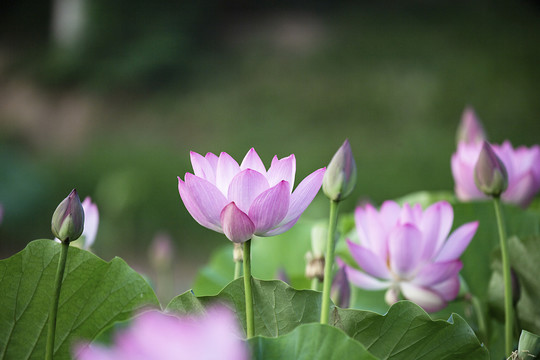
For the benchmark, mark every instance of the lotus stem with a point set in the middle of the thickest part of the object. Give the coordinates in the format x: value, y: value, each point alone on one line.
x: 508, y: 309
x: 49, y: 350
x: 315, y: 284
x: 329, y: 262
x: 247, y: 290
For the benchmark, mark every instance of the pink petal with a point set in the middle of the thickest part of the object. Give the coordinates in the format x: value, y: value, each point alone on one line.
x: 403, y: 246
x: 202, y: 167
x: 360, y: 220
x: 462, y: 164
x: 193, y: 208
x: 253, y: 161
x: 457, y: 242
x: 282, y: 228
x: 236, y: 225
x: 303, y: 194
x: 204, y: 197
x: 368, y: 261
x: 226, y: 169
x: 389, y: 215
x: 376, y: 239
x: 245, y: 187
x: 91, y: 222
x: 429, y: 300
x: 435, y: 273
x: 212, y: 160
x: 283, y: 169
x: 447, y: 218
x: 448, y: 289
x: 270, y: 207
x: 521, y: 191
x: 364, y: 281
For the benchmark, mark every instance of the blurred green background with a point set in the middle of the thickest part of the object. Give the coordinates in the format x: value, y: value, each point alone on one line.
x: 110, y: 98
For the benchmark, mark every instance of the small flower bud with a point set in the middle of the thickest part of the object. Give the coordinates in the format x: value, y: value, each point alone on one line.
x: 490, y: 173
x: 470, y: 129
x: 282, y: 275
x: 162, y: 251
x: 68, y: 218
x: 340, y: 292
x: 340, y: 176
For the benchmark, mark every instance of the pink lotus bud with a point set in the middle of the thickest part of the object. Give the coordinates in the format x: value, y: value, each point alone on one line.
x: 68, y: 218
x: 340, y: 177
x: 490, y: 174
x: 470, y: 129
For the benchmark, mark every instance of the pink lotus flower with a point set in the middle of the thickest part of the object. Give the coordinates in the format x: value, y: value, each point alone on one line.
x: 156, y: 336
x: 245, y: 200
x: 522, y: 165
x: 408, y: 251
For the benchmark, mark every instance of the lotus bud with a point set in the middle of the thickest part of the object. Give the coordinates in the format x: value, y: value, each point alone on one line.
x: 341, y: 289
x: 282, y: 275
x: 470, y: 129
x: 340, y: 177
x: 162, y: 251
x: 490, y: 173
x: 68, y: 218
x: 314, y: 267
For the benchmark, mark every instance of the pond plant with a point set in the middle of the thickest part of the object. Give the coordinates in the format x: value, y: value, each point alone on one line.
x: 419, y: 277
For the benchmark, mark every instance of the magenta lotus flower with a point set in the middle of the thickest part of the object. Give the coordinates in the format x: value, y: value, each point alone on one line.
x: 522, y: 165
x: 408, y: 251
x: 157, y: 336
x: 245, y: 200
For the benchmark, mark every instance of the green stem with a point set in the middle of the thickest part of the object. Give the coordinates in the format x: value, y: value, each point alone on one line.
x: 508, y: 310
x: 315, y: 284
x: 247, y: 290
x: 237, y: 269
x: 329, y: 262
x: 49, y: 350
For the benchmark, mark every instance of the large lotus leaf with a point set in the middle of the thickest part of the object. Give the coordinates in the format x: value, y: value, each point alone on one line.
x: 279, y: 308
x: 525, y: 260
x: 405, y: 332
x: 309, y: 342
x: 94, y: 295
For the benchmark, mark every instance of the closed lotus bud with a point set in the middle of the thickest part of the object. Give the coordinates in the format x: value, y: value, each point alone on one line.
x: 490, y: 173
x: 470, y: 129
x: 68, y: 218
x: 340, y: 292
x: 340, y: 177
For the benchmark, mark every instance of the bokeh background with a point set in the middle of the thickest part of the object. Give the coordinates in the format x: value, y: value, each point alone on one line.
x: 109, y: 97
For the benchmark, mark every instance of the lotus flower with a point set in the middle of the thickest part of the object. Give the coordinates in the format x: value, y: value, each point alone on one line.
x: 522, y: 165
x: 245, y: 200
x: 408, y: 251
x: 157, y: 336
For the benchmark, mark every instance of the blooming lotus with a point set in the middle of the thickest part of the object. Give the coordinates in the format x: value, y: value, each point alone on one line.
x: 522, y: 165
x: 157, y: 336
x: 408, y: 251
x: 245, y: 200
